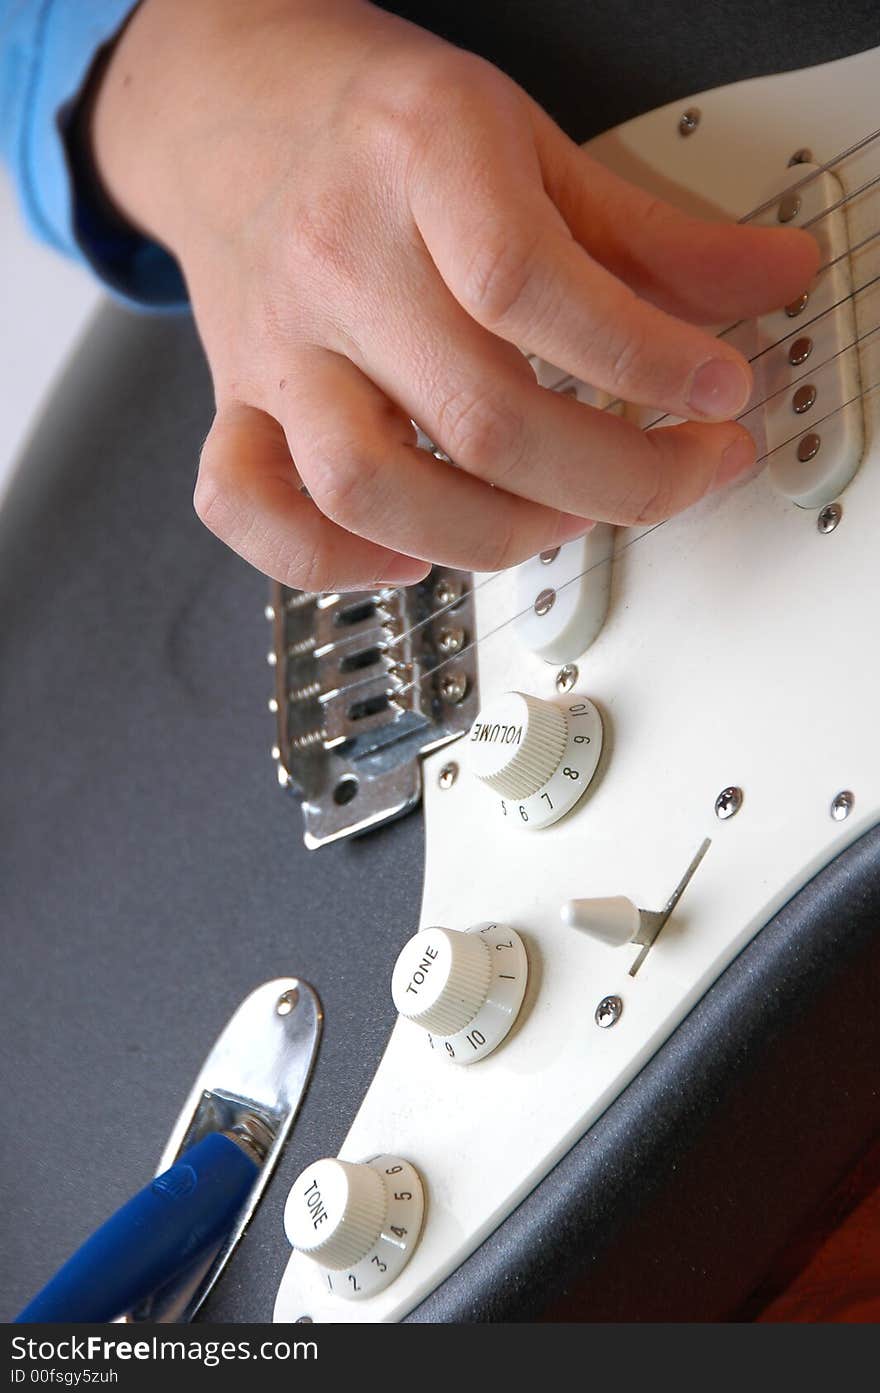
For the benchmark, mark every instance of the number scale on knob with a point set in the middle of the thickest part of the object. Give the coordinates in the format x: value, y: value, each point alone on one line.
x: 539, y: 755
x: 464, y: 989
x: 354, y: 1226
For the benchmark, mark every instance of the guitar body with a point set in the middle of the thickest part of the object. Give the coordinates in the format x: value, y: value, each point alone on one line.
x: 649, y: 1171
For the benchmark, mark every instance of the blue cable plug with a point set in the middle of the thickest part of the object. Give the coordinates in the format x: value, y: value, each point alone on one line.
x: 176, y: 1219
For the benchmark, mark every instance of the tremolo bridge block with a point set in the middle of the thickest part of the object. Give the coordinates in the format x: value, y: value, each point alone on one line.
x: 365, y: 683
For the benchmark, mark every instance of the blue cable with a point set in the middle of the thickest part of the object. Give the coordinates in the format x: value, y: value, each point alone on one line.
x: 163, y: 1230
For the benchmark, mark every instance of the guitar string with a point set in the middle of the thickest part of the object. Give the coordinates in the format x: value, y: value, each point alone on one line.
x: 858, y: 398
x: 346, y: 640
x: 814, y: 368
x: 813, y: 174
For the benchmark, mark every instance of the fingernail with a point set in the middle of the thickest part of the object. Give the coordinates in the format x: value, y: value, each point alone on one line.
x: 409, y: 574
x: 719, y: 389
x: 571, y: 527
x: 738, y: 459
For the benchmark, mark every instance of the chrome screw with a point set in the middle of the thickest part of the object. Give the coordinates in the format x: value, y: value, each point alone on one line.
x: 728, y: 802
x: 545, y: 602
x: 446, y: 592
x: 287, y: 1002
x: 450, y: 640
x: 689, y: 120
x: 566, y: 678
x: 547, y: 556
x: 448, y: 775
x: 275, y: 752
x: 272, y: 658
x: 273, y: 705
x: 453, y: 687
x: 829, y: 517
x: 802, y: 156
x: 608, y: 1012
x: 269, y: 612
x: 842, y: 805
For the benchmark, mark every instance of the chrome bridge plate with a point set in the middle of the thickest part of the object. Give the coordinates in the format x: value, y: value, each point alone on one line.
x: 365, y: 684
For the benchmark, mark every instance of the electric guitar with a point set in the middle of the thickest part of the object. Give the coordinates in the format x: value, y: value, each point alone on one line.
x: 633, y: 1029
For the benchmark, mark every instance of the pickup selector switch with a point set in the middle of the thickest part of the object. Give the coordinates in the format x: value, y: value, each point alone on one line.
x: 463, y: 989
x: 538, y: 756
x: 358, y: 1222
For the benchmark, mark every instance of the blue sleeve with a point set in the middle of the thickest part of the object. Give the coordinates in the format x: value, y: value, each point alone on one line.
x: 47, y: 49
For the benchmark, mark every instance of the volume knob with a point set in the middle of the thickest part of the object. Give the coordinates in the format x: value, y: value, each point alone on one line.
x: 538, y: 756
x: 516, y: 744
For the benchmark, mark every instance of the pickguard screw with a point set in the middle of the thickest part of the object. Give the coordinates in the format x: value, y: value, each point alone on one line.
x: 271, y: 658
x: 608, y: 1012
x: 448, y: 775
x: 566, y: 678
x: 273, y: 705
x: 728, y: 802
x: 842, y: 805
x: 269, y: 612
x: 689, y: 120
x: 802, y: 156
x: 545, y: 602
x: 546, y: 557
x: 286, y: 1002
x: 275, y: 752
x: 453, y: 687
x: 829, y: 517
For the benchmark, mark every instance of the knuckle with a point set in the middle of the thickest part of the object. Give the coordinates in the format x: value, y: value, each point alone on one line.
x: 630, y: 363
x: 324, y: 237
x: 501, y: 547
x: 482, y: 433
x: 341, y: 480
x: 307, y: 568
x: 499, y: 278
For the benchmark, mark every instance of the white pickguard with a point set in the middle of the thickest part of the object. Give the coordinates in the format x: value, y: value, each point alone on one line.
x: 740, y: 648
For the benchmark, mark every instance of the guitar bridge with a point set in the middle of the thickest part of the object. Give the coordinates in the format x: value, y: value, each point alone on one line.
x: 365, y: 683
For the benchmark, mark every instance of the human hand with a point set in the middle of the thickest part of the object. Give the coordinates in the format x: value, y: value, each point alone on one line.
x: 372, y: 224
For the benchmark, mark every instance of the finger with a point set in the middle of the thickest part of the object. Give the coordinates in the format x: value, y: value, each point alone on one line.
x: 506, y: 254
x: 357, y: 455
x: 700, y: 270
x: 477, y: 398
x: 249, y: 495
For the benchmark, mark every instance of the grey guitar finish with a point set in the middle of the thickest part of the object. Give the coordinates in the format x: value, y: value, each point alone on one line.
x: 152, y: 874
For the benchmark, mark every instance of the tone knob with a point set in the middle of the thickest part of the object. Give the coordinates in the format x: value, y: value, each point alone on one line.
x: 537, y: 755
x: 335, y: 1211
x: 463, y: 989
x: 359, y: 1222
x: 441, y: 979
